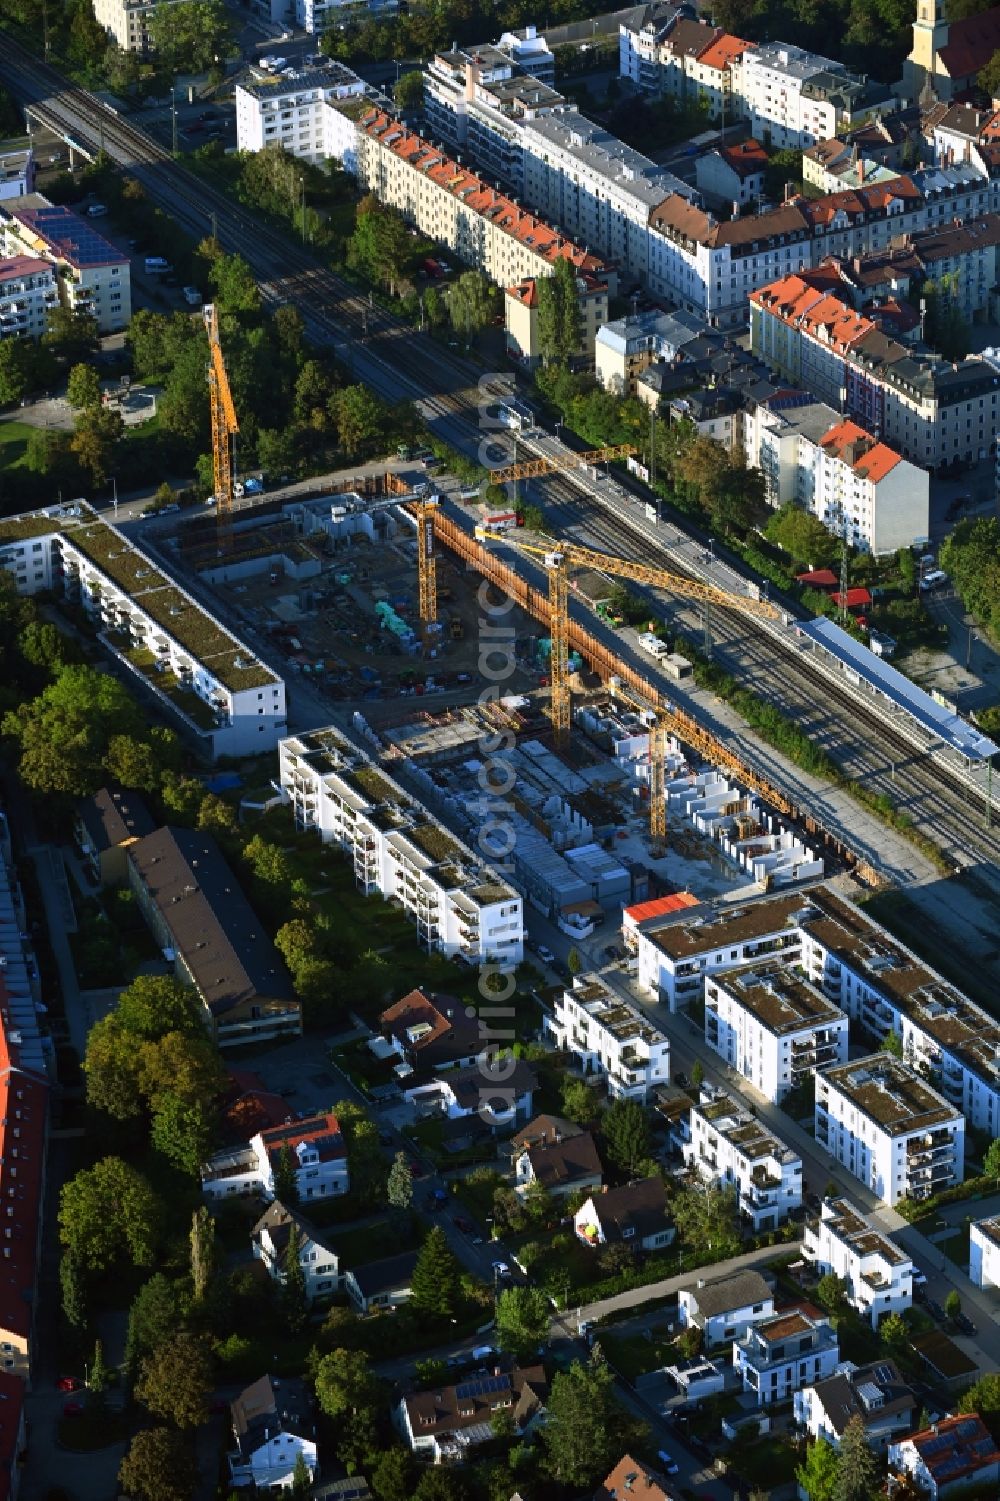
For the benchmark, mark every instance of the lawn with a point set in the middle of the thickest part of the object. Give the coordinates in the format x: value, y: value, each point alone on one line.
x: 371, y: 1242
x: 956, y: 1247
x: 14, y: 437
x: 766, y: 1461
x: 635, y: 1354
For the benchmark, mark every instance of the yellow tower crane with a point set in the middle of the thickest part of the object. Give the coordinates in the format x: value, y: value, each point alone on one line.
x: 224, y: 426
x: 558, y: 559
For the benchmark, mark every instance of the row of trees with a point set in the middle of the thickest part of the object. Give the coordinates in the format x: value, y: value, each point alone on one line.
x: 971, y: 557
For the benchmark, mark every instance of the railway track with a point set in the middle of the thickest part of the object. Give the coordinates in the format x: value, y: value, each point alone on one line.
x: 937, y: 798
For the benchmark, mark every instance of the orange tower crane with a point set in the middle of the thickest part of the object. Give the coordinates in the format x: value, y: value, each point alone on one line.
x: 224, y: 426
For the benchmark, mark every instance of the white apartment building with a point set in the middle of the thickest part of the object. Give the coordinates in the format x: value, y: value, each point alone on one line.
x: 607, y: 1035
x: 792, y: 1350
x: 711, y: 265
x: 28, y: 289
x: 17, y: 173
x: 209, y: 682
x: 293, y: 112
x: 665, y: 51
x: 675, y: 957
x: 319, y: 1157
x: 460, y: 905
x: 597, y: 189
x: 899, y: 1137
x: 931, y: 411
x: 794, y: 98
x: 773, y: 1027
x: 877, y: 1274
x: 829, y: 465
x: 477, y: 100
x: 93, y: 275
x: 317, y: 16
x: 984, y: 1252
x: 459, y: 210
x: 729, y: 1146
x: 126, y: 23
x: 724, y: 1308
x: 883, y: 987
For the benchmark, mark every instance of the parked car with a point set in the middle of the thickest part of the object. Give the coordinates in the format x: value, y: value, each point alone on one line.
x: 466, y: 1226
x: 681, y: 1079
x: 964, y: 1324
x: 68, y: 1384
x: 935, y: 1310
x: 97, y: 210
x: 546, y: 955
x: 668, y: 1462
x: 501, y: 1269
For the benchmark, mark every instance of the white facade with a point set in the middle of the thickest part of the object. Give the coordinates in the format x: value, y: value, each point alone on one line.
x: 673, y: 960
x: 319, y: 1155
x: 126, y: 23
x: 730, y: 1147
x: 789, y: 95
x: 478, y: 101
x: 839, y: 472
x: 28, y: 289
x: 792, y: 1350
x: 595, y: 188
x: 272, y: 1463
x: 773, y: 1028
x: 724, y: 1310
x: 293, y: 112
x: 675, y: 57
x: 155, y: 630
x: 877, y: 1274
x: 317, y: 16
x: 984, y: 1252
x: 460, y: 905
x: 17, y: 173
x: 608, y: 1036
x: 895, y: 1134
x: 875, y: 1393
x: 93, y: 275
x: 319, y: 1262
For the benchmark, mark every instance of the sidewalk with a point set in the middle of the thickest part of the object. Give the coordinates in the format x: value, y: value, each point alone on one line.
x: 60, y: 919
x: 640, y: 1295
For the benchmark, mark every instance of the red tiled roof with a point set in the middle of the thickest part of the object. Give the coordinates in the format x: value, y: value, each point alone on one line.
x: 633, y: 1479
x: 879, y: 461
x: 971, y: 43
x: 253, y: 1111
x: 955, y: 1448
x: 662, y: 906
x: 475, y: 194
x: 526, y: 293
x: 722, y: 51
x: 321, y: 1131
x: 818, y: 578
x: 854, y: 599
x: 745, y: 158
x: 21, y: 265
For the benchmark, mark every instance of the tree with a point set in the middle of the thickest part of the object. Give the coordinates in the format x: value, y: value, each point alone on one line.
x: 359, y: 416
x: 706, y: 1217
x: 783, y: 167
x: 803, y: 536
x: 582, y: 1435
x: 191, y: 36
x: 379, y: 245
x: 176, y: 1380
x: 108, y: 1212
x: 953, y: 1304
x: 391, y: 1476
x: 64, y: 733
x: 818, y: 1475
x: 364, y: 1153
x: 83, y: 387
x: 409, y: 91
x: 294, y: 1298
x: 435, y: 1287
x: 159, y: 1466
x: 560, y: 331
x: 158, y: 1311
x: 286, y: 1179
x: 399, y: 1187
x: 573, y: 961
x: 301, y: 1478
x: 202, y: 1243
x: 236, y: 288
x: 697, y: 1074
x: 73, y: 1287
x: 470, y: 304
x: 893, y: 1332
x: 345, y: 1385
x: 945, y: 325
x: 989, y: 76
x: 98, y: 1374
x: 983, y: 1397
x: 625, y: 1129
x: 831, y: 1292
x: 522, y: 1320
x: 15, y: 371
x: 577, y: 1101
x: 182, y: 1133
x: 68, y: 334
x: 441, y: 1484
x: 991, y: 1159
x: 155, y: 1005
x: 859, y: 1474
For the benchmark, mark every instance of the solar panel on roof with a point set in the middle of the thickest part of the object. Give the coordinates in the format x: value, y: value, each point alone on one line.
x: 484, y: 1388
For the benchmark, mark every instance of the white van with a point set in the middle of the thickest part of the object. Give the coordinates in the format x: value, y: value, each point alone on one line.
x: 933, y: 580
